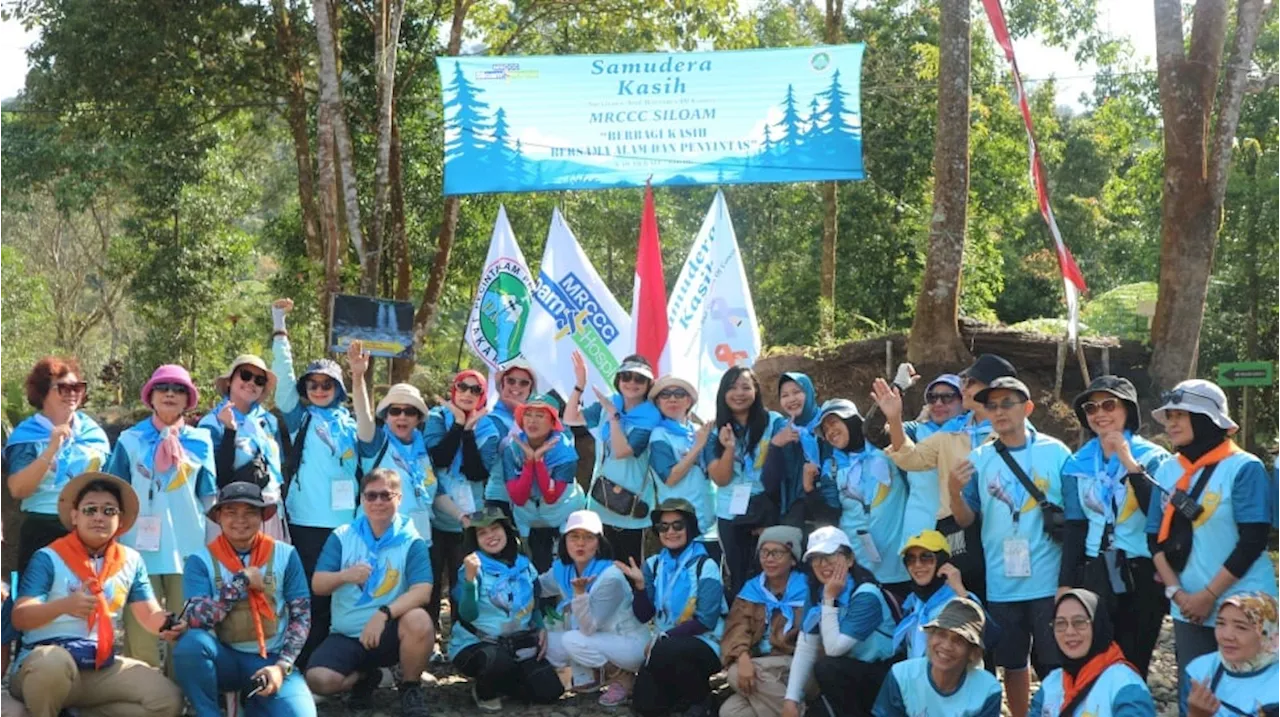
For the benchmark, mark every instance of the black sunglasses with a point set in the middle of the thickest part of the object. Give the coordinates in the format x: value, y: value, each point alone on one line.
x: 170, y: 388
x: 676, y: 525
x: 372, y: 496
x: 673, y: 393
x: 943, y: 398
x: 71, y: 388
x: 472, y: 388
x: 258, y: 379
x: 922, y: 558
x: 513, y: 381
x: 404, y: 411
x: 1176, y: 396
x: 631, y: 377
x: 320, y: 385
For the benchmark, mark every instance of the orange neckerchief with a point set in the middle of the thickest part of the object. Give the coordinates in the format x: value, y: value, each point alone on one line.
x: 1224, y: 449
x: 1090, y: 672
x: 263, y: 546
x: 76, y: 556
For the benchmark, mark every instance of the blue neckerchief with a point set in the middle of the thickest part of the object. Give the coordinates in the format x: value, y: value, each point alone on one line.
x: 852, y: 478
x: 399, y: 532
x: 86, y: 442
x: 562, y: 452
x: 814, y: 614
x: 956, y: 423
x: 251, y: 439
x: 410, y: 460
x: 917, y: 613
x: 507, y: 587
x: 1108, y: 493
x: 809, y: 413
x: 483, y: 431
x: 978, y: 432
x: 675, y: 586
x: 682, y: 431
x: 564, y: 573
x: 794, y: 596
x: 644, y: 417
x: 336, y: 429
x: 197, y: 452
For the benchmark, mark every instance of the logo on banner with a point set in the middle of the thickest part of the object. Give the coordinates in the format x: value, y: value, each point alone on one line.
x: 504, y: 311
x: 578, y: 314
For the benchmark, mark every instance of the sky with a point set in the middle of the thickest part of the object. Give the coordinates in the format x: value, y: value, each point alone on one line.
x: 1131, y: 18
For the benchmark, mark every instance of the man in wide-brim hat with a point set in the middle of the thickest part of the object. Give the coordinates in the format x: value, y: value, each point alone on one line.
x: 70, y: 604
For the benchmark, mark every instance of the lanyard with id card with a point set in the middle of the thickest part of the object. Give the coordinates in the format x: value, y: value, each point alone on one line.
x: 342, y: 494
x: 1017, y: 554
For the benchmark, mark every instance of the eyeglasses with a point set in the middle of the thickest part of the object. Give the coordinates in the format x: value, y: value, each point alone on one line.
x: 672, y: 393
x: 1005, y: 405
x: 471, y: 388
x: 922, y: 558
x: 1176, y: 396
x: 676, y: 525
x: 320, y: 385
x: 258, y: 379
x: 1078, y: 624
x: 517, y: 382
x: 373, y: 496
x: 828, y: 558
x: 71, y: 388
x: 943, y: 398
x: 581, y: 536
x: 170, y: 388
x: 773, y: 553
x: 631, y: 377
x: 409, y: 411
x: 1107, y: 405
x: 109, y: 511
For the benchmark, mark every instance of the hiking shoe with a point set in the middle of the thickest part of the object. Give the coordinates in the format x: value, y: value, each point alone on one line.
x: 413, y: 700
x: 615, y: 695
x: 362, y: 691
x: 493, y: 704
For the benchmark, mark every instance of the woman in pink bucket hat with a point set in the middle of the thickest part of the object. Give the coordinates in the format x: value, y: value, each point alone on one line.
x: 170, y: 466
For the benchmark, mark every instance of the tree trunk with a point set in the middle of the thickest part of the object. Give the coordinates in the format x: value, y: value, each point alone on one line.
x: 830, y: 223
x: 1195, y: 176
x: 935, y: 333
x: 328, y: 210
x: 297, y: 116
x: 331, y: 97
x: 401, y: 369
x: 386, y: 39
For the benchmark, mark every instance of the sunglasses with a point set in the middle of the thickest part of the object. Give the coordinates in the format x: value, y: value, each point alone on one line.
x: 943, y: 398
x: 1107, y: 405
x: 170, y: 388
x: 1005, y: 405
x: 517, y: 382
x: 673, y: 393
x: 71, y: 388
x: 676, y: 525
x: 373, y: 496
x: 258, y: 379
x: 923, y: 558
x: 320, y: 385
x: 404, y: 411
x: 1177, y: 395
x: 472, y: 388
x: 773, y: 553
x: 109, y: 511
x: 631, y: 377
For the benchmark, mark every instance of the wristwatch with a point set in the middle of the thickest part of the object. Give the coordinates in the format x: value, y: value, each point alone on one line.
x: 285, y: 667
x: 1172, y: 590
x: 385, y: 611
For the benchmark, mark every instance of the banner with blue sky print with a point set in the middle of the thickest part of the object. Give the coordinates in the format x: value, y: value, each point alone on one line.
x: 522, y: 124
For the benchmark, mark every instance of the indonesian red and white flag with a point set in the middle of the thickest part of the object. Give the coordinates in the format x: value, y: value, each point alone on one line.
x: 649, y: 293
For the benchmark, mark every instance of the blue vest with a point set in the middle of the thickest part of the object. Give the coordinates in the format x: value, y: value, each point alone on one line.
x: 505, y: 603
x: 273, y: 587
x: 872, y: 498
x: 1102, y: 694
x: 695, y: 487
x: 975, y: 688
x: 1245, y: 691
x: 353, y: 605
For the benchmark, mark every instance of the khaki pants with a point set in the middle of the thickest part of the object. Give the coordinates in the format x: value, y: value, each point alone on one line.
x: 141, y: 644
x: 770, y: 692
x: 49, y: 681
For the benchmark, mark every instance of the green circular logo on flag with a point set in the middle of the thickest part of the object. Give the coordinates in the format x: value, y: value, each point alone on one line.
x: 503, y: 307
x: 820, y: 61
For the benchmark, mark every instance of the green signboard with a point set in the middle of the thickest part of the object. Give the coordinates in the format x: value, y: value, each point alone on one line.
x: 1247, y: 373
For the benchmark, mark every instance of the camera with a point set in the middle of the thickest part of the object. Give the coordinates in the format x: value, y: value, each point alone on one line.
x: 1184, y: 504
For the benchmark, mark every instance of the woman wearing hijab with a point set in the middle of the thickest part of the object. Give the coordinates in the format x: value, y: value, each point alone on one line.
x: 1094, y: 679
x: 1241, y: 677
x: 320, y: 482
x: 934, y: 583
x: 679, y: 589
x: 871, y: 490
x: 621, y: 490
x: 846, y: 642
x: 48, y: 449
x: 1106, y: 487
x: 170, y: 466
x: 516, y: 383
x: 791, y: 471
x: 763, y: 624
x: 245, y: 434
x: 539, y: 464
x: 456, y: 435
x: 592, y: 629
x: 498, y: 639
x: 1209, y: 531
x: 949, y: 679
x: 676, y: 456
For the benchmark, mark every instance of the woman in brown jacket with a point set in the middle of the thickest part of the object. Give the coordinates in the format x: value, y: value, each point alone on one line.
x: 760, y: 632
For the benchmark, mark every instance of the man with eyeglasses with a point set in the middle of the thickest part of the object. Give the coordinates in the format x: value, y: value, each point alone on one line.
x: 378, y: 571
x: 70, y: 606
x: 1014, y: 481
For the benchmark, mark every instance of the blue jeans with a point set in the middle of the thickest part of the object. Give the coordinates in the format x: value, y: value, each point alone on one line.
x: 204, y: 668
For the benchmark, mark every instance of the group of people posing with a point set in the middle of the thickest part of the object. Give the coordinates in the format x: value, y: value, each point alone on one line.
x: 268, y: 556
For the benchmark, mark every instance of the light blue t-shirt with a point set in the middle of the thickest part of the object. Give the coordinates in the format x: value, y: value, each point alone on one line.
x: 400, y: 561
x: 686, y: 587
x: 255, y: 436
x: 1245, y: 691
x: 1118, y: 692
x: 467, y: 495
x: 283, y: 580
x: 503, y: 421
x: 632, y: 472
x: 748, y: 463
x: 417, y: 478
x: 904, y: 693
x: 864, y: 616
x: 1096, y: 489
x: 923, y: 495
x: 85, y: 450
x: 1235, y: 493
x: 873, y: 495
x: 667, y: 447
x: 506, y: 598
x: 1010, y: 515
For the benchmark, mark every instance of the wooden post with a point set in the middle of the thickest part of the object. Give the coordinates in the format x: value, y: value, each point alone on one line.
x: 1106, y: 360
x: 1084, y: 365
x: 1059, y: 367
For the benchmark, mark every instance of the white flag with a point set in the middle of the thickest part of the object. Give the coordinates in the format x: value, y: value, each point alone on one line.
x: 574, y: 310
x: 712, y: 320
x: 501, y: 310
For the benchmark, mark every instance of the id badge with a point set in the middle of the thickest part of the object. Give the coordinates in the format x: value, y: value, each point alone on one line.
x: 740, y: 500
x: 464, y: 499
x: 869, y: 547
x: 1017, y: 558
x: 148, y: 538
x: 342, y: 495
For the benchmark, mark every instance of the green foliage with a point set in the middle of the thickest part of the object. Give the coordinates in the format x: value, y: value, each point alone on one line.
x: 1115, y: 313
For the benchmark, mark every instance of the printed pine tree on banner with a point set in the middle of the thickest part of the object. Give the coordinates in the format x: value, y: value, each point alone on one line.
x: 838, y: 135
x: 469, y: 149
x: 813, y: 130
x: 790, y: 124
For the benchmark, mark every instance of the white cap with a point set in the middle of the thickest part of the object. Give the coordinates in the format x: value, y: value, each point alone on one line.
x: 587, y: 520
x: 827, y: 540
x: 1197, y: 396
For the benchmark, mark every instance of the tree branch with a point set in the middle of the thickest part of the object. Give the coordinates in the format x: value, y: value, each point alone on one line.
x: 1235, y: 77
